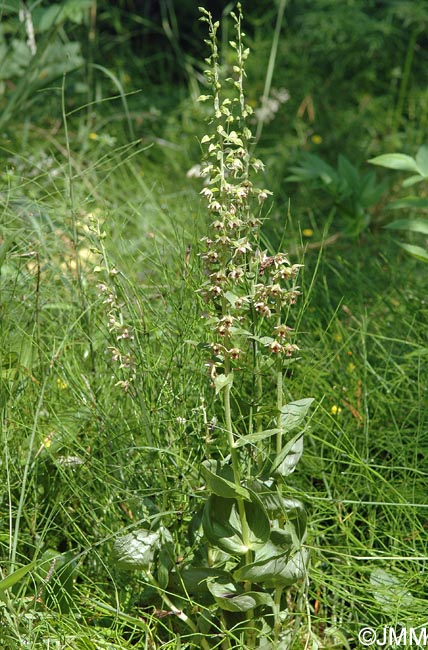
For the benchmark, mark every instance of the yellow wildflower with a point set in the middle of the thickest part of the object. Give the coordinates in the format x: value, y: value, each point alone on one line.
x: 335, y: 410
x: 93, y: 136
x: 307, y: 232
x: 316, y: 139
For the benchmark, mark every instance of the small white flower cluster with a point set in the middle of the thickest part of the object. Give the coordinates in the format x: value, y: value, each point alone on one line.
x: 121, y: 332
x: 247, y: 287
x: 271, y: 105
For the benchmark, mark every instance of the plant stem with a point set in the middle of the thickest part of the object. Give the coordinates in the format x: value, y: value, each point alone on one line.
x: 271, y: 66
x: 405, y: 78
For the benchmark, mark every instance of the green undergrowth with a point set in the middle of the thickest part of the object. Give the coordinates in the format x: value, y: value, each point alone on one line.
x: 89, y: 447
x: 107, y: 411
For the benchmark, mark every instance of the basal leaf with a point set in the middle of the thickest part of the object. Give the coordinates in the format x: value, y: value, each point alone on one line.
x: 389, y: 591
x: 136, y: 550
x: 220, y: 480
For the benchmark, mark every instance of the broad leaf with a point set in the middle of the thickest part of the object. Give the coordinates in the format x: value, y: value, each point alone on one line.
x: 222, y: 525
x: 293, y: 414
x: 412, y: 180
x: 347, y: 172
x: 193, y: 581
x: 137, y: 549
x: 396, y: 161
x: 278, y: 507
x: 166, y: 559
x: 286, y: 461
x: 221, y: 381
x: 274, y: 564
x: 220, y: 480
x: 61, y: 567
x: 232, y: 598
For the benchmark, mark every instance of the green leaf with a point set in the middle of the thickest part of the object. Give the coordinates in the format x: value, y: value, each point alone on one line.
x: 412, y: 225
x: 219, y: 479
x: 221, y: 381
x: 222, y: 525
x: 417, y: 251
x: 396, y: 161
x: 61, y: 567
x: 370, y: 190
x: 232, y: 598
x: 293, y: 414
x: 15, y: 577
x: 194, y: 580
x: 166, y: 559
x: 412, y: 202
x: 286, y: 461
x: 277, y: 507
x: 412, y: 180
x: 273, y: 565
x: 137, y: 549
x: 389, y: 591
x: 251, y: 438
x: 422, y: 160
x: 347, y: 172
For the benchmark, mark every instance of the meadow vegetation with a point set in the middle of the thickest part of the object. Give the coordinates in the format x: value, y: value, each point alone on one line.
x: 152, y: 380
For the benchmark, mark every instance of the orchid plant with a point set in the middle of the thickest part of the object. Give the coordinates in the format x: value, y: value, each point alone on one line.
x: 246, y: 545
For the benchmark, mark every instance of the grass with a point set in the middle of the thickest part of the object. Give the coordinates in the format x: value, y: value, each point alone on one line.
x: 83, y: 460
x: 91, y: 450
